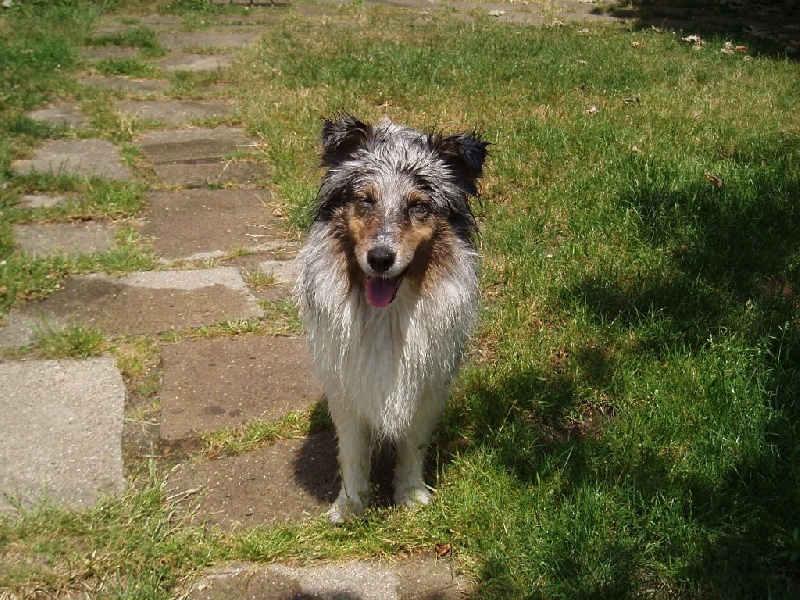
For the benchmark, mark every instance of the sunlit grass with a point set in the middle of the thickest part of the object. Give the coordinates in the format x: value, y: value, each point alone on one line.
x: 627, y: 422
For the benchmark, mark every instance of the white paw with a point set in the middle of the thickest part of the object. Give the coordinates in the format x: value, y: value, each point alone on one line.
x: 345, y: 510
x: 413, y: 496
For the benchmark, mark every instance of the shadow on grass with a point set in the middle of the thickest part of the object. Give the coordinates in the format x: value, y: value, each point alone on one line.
x: 734, y: 273
x: 767, y: 28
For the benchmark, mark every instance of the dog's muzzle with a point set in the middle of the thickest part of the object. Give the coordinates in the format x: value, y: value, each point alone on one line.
x: 381, y: 290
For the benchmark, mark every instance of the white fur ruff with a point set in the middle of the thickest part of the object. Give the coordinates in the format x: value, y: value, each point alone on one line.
x: 380, y: 365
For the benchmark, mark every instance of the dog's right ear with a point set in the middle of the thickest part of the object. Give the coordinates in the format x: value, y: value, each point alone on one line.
x: 341, y: 139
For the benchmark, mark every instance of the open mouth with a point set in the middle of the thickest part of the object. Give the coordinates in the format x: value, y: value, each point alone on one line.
x: 382, y: 290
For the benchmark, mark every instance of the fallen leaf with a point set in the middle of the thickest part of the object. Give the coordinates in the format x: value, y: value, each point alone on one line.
x: 443, y: 550
x: 694, y: 40
x: 717, y: 181
x: 742, y: 49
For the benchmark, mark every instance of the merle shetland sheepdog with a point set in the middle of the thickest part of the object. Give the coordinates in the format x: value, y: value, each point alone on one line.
x: 388, y: 292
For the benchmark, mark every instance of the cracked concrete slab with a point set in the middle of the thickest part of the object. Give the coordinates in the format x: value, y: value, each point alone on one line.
x: 290, y: 481
x: 77, y: 407
x: 200, y: 223
x: 89, y: 157
x: 64, y: 239
x: 198, y: 157
x: 222, y: 383
x: 144, y: 302
x: 197, y: 144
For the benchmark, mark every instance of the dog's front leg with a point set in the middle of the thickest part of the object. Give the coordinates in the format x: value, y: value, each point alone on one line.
x: 354, y: 465
x: 409, y: 484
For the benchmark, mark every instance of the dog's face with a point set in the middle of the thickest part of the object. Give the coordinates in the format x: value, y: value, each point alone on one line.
x: 397, y: 201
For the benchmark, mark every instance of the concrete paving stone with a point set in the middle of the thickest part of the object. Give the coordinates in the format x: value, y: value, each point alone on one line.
x: 98, y: 53
x: 419, y: 577
x: 198, y: 175
x: 195, y: 157
x: 60, y: 432
x: 124, y: 84
x: 41, y: 201
x: 55, y: 239
x: 223, y: 40
x: 145, y: 302
x: 199, y: 224
x: 69, y: 115
x: 195, y: 62
x: 89, y: 157
x: 283, y: 271
x: 290, y: 481
x: 221, y: 383
x: 192, y: 145
x: 173, y: 111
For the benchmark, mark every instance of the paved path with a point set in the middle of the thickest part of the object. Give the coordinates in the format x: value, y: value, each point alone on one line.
x: 71, y: 429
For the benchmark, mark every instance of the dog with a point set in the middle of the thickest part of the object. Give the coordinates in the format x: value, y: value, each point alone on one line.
x: 388, y: 292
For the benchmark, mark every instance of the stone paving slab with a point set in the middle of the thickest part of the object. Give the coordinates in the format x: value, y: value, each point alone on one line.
x: 173, y: 111
x: 225, y: 40
x: 187, y: 145
x: 125, y: 84
x: 90, y: 157
x: 60, y: 431
x: 290, y: 481
x: 420, y: 577
x: 226, y: 382
x: 195, y: 62
x: 55, y: 239
x: 41, y: 201
x: 145, y: 302
x: 113, y: 24
x: 196, y: 157
x: 111, y: 52
x: 199, y: 224
x: 283, y: 271
x: 69, y: 115
x: 218, y: 172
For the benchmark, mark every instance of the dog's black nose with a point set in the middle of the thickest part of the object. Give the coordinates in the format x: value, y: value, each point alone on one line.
x: 380, y: 258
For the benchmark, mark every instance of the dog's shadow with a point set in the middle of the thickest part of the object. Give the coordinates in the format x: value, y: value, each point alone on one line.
x: 316, y: 466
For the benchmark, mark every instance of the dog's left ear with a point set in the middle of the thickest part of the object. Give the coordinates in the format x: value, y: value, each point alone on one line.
x: 463, y: 152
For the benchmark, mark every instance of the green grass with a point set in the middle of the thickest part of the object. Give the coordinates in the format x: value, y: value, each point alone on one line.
x: 628, y: 422
x: 143, y: 38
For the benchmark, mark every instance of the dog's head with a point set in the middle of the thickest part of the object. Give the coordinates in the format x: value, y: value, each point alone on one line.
x: 397, y: 200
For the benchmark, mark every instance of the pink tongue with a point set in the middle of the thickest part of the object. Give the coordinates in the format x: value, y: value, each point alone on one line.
x: 381, y: 291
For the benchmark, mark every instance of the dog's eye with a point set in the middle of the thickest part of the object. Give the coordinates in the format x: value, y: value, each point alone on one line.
x: 365, y: 203
x: 418, y: 210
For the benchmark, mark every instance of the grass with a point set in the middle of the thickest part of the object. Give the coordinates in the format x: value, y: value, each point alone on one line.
x: 627, y: 424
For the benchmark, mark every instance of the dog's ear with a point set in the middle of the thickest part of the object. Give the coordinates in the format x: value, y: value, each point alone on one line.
x: 463, y: 152
x: 341, y: 139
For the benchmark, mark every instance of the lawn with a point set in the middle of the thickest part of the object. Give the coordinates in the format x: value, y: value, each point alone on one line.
x: 628, y: 421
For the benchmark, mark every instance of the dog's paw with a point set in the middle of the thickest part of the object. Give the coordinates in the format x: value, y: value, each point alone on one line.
x: 343, y: 513
x: 413, y: 497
